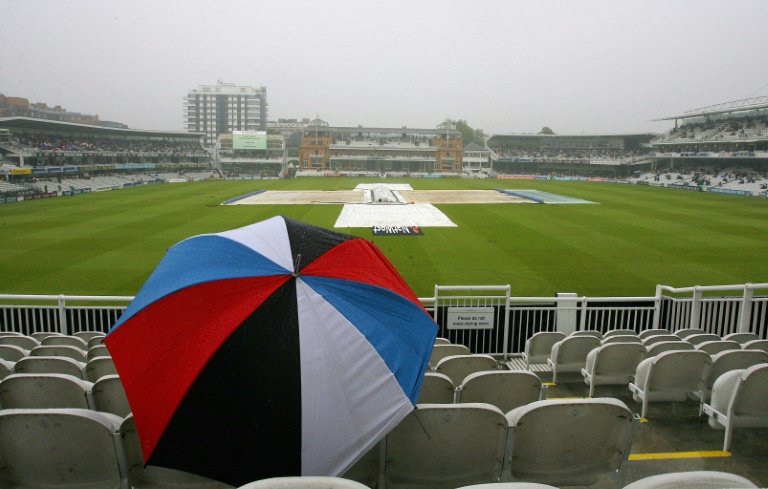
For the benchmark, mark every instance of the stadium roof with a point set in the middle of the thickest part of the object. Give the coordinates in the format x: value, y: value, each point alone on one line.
x: 49, y: 125
x: 724, y: 108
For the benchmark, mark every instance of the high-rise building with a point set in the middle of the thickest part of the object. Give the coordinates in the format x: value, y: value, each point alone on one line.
x: 223, y: 108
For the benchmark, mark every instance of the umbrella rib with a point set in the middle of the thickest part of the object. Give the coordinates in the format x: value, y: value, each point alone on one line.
x: 296, y: 264
x: 423, y: 428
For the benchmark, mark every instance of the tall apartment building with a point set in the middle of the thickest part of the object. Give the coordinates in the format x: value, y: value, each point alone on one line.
x: 223, y: 108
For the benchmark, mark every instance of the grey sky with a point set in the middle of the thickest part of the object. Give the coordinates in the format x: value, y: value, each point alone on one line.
x: 504, y: 66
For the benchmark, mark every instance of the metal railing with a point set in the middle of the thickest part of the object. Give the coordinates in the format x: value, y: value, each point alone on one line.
x: 487, y: 319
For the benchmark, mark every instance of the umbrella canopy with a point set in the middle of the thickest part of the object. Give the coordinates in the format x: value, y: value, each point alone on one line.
x: 275, y: 349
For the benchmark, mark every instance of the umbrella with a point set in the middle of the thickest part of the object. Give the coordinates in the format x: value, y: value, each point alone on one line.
x: 276, y: 349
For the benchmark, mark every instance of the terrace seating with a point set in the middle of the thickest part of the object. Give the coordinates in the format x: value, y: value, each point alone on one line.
x: 441, y: 351
x: 89, y: 335
x: 686, y: 332
x: 98, y: 351
x: 700, y: 479
x: 109, y: 396
x: 98, y: 367
x: 567, y: 441
x: 652, y: 340
x: 697, y: 339
x: 25, y: 342
x: 669, y: 377
x: 756, y: 345
x: 621, y: 339
x: 12, y: 353
x: 504, y: 389
x: 739, y: 400
x: 441, y: 446
x: 59, y: 351
x: 612, y: 364
x: 646, y: 333
x: 50, y: 365
x: 725, y: 362
x: 457, y: 367
x: 59, y: 448
x: 570, y: 354
x: 619, y: 332
x: 39, y: 391
x: 713, y: 347
x: 539, y: 346
x: 658, y: 348
x: 588, y: 332
x: 741, y: 338
x: 436, y: 388
x: 40, y: 335
x: 65, y: 340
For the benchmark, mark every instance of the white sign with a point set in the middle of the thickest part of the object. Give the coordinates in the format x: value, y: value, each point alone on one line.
x: 470, y: 318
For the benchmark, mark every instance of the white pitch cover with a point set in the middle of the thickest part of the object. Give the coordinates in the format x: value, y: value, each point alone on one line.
x: 350, y: 399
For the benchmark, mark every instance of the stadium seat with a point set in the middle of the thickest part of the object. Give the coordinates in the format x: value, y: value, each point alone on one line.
x: 88, y: 335
x: 59, y: 351
x: 509, y: 485
x: 713, y: 347
x: 588, y: 332
x: 98, y: 367
x: 305, y: 482
x: 442, y: 341
x: 663, y: 346
x: 697, y: 339
x: 109, y: 396
x: 98, y: 351
x: 504, y: 389
x: 25, y: 342
x: 40, y: 335
x: 50, y: 365
x: 44, y: 391
x: 619, y: 332
x: 442, y: 446
x: 12, y: 353
x: 570, y: 354
x: 96, y: 340
x: 568, y: 441
x: 686, y: 332
x: 669, y: 377
x: 741, y: 338
x: 692, y: 480
x: 436, y: 388
x: 621, y: 339
x: 659, y: 338
x: 646, y: 333
x: 441, y: 351
x: 148, y: 476
x: 457, y: 367
x: 612, y: 364
x: 756, y: 345
x: 739, y: 400
x: 57, y: 340
x: 725, y: 362
x: 59, y: 448
x: 6, y: 368
x: 539, y: 346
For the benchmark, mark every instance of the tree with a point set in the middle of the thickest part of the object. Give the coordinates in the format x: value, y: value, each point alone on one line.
x: 468, y: 134
x: 546, y: 130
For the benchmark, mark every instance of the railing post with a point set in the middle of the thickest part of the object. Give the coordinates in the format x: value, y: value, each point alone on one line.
x: 566, y: 313
x: 745, y: 314
x: 505, y: 348
x: 695, y: 308
x: 657, y: 308
x: 583, y: 320
x: 63, y: 327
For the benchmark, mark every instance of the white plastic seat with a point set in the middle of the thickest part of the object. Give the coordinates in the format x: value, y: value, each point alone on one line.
x: 152, y: 477
x: 739, y: 400
x: 305, y: 482
x: 623, y: 338
x: 25, y: 342
x: 6, y: 369
x: 57, y: 340
x: 714, y: 347
x: 457, y: 367
x: 588, y: 332
x: 436, y: 388
x: 725, y: 362
x: 570, y: 354
x: 12, y: 353
x: 658, y: 348
x: 702, y: 479
x: 504, y: 389
x: 539, y: 346
x: 442, y: 446
x: 109, y: 396
x: 619, y: 332
x: 98, y: 351
x: 98, y: 367
x: 646, y: 333
x: 89, y: 335
x: 756, y: 345
x: 686, y: 332
x: 568, y: 441
x: 697, y: 339
x: 59, y: 448
x: 509, y: 485
x: 96, y: 340
x: 40, y: 335
x: 441, y: 351
x: 50, y: 365
x: 659, y: 338
x: 442, y: 341
x: 669, y: 377
x: 44, y: 391
x: 59, y: 351
x: 612, y: 364
x: 741, y: 338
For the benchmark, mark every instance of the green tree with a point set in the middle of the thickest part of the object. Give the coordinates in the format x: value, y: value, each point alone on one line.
x: 546, y: 130
x: 468, y: 134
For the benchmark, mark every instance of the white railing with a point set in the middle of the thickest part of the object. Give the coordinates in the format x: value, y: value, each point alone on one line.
x: 504, y: 322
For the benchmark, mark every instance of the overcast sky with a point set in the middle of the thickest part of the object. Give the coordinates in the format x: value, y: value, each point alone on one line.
x: 504, y: 66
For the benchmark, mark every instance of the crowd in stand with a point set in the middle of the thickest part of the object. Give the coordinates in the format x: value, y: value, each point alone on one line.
x: 742, y: 127
x: 582, y: 154
x: 91, y: 144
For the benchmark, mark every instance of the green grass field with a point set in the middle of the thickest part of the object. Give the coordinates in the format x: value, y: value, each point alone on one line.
x: 108, y: 243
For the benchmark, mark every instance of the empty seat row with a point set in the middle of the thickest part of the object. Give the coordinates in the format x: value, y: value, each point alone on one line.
x: 92, y: 370
x: 15, y: 352
x: 83, y: 340
x: 504, y: 389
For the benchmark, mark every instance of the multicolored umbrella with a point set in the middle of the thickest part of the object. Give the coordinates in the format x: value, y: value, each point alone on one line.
x: 275, y: 349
